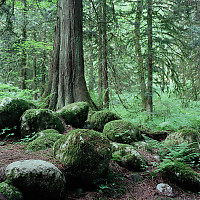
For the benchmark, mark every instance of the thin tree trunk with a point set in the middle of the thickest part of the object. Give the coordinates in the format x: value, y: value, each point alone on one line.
x: 34, y: 69
x: 150, y: 59
x: 24, y: 37
x: 141, y: 70
x: 100, y: 85
x: 105, y: 64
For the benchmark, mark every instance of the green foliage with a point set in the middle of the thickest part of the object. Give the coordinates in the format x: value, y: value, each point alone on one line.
x: 111, y: 186
x: 8, y: 90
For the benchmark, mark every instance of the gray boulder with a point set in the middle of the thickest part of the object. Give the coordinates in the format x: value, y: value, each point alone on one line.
x: 37, y: 179
x: 35, y: 120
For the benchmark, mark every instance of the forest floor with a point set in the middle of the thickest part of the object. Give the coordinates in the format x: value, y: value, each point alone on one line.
x: 126, y: 185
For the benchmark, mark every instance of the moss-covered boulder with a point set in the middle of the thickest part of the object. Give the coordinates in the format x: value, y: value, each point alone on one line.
x: 85, y: 153
x: 43, y: 142
x: 35, y: 120
x: 190, y: 136
x: 122, y: 131
x: 37, y: 179
x: 46, y: 132
x: 128, y: 157
x: 10, y: 192
x: 11, y: 110
x: 181, y: 174
x: 100, y: 118
x: 75, y: 114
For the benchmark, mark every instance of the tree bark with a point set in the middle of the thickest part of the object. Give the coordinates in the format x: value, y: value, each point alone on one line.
x: 67, y: 70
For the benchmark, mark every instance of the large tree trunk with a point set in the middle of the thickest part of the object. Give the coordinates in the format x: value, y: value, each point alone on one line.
x: 141, y: 70
x: 67, y: 71
x: 150, y: 58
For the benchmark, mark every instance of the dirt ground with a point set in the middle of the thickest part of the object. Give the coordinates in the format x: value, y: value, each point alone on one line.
x: 125, y: 185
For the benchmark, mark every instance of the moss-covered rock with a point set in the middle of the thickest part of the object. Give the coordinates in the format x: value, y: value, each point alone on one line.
x: 122, y: 131
x: 128, y: 157
x: 37, y: 179
x: 46, y: 132
x: 43, y: 142
x: 35, y: 120
x: 100, y: 118
x: 75, y: 114
x: 85, y: 153
x: 10, y: 192
x: 11, y: 110
x: 181, y: 174
x: 190, y: 136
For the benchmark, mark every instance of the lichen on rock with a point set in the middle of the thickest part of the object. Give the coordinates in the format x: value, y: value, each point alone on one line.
x: 75, y: 114
x: 100, y: 118
x: 85, y: 153
x: 122, y: 131
x: 35, y: 120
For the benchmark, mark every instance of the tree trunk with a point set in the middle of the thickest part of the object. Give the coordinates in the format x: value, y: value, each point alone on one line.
x: 24, y: 37
x: 105, y: 64
x: 34, y: 69
x: 141, y: 70
x: 67, y: 71
x: 150, y: 58
x: 100, y: 86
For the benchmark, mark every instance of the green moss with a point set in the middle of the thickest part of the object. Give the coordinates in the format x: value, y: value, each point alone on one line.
x: 182, y: 175
x: 75, y: 114
x: 85, y: 153
x: 191, y: 136
x: 100, y: 118
x: 10, y: 192
x: 43, y: 142
x: 47, y: 131
x: 127, y: 156
x: 11, y: 111
x: 35, y: 120
x: 122, y: 131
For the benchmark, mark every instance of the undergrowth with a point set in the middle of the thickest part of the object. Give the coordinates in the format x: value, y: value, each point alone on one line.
x: 169, y: 113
